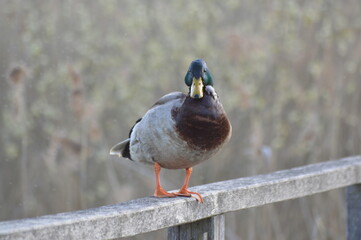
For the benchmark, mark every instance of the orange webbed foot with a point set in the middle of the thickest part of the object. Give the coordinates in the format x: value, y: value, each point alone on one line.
x: 161, y: 193
x: 186, y: 193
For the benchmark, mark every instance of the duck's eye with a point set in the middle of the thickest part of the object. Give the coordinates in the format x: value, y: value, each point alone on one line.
x: 204, y: 70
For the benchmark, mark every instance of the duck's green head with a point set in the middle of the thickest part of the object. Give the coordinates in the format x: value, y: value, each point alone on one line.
x: 197, y: 77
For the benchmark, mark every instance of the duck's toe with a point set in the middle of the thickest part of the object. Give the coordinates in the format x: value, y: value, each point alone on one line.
x: 160, y: 192
x: 187, y: 193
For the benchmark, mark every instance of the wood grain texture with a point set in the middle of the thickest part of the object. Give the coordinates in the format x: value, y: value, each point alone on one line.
x: 354, y: 212
x: 206, y: 229
x: 149, y: 214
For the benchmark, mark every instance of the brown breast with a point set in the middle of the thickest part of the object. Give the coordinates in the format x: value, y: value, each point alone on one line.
x: 202, y: 123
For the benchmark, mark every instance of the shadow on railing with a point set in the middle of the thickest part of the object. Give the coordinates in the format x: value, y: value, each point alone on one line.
x: 187, y: 219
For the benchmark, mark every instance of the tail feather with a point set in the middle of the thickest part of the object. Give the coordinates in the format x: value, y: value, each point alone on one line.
x: 121, y: 149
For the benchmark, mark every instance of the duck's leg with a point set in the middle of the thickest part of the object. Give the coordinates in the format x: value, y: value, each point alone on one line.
x: 184, y: 189
x: 159, y: 191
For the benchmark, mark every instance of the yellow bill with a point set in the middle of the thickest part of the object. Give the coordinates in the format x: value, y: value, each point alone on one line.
x: 197, y: 88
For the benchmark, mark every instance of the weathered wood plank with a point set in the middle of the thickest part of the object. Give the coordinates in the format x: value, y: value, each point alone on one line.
x: 354, y: 212
x: 149, y: 214
x: 206, y: 229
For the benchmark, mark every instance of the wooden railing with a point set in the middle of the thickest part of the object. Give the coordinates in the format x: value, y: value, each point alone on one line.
x: 187, y: 219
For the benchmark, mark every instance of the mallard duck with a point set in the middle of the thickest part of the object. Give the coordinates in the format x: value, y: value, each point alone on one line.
x: 179, y: 130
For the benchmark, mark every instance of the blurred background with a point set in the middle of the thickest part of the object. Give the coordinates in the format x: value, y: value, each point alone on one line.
x: 75, y: 75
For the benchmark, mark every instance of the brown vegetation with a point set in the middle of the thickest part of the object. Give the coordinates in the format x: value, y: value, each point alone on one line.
x: 287, y: 72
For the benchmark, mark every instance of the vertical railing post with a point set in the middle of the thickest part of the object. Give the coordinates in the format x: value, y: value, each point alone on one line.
x: 354, y: 212
x: 206, y: 229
